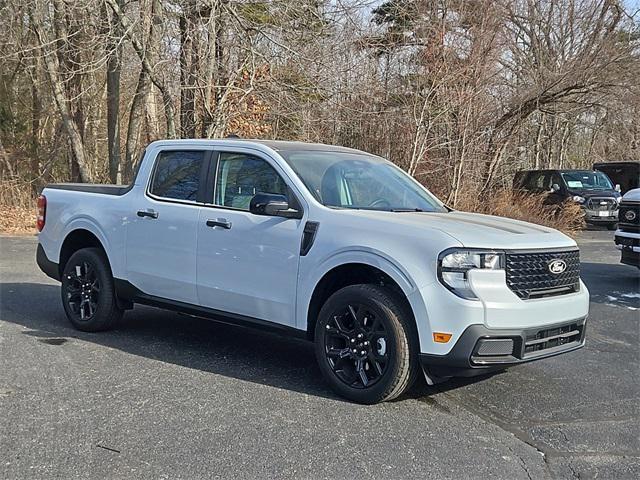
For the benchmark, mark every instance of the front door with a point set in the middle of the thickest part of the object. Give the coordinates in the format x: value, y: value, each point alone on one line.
x: 248, y: 264
x: 162, y: 233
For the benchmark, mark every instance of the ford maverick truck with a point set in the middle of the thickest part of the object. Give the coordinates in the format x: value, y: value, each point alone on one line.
x: 327, y: 243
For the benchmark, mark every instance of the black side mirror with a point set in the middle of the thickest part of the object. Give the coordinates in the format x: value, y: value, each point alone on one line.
x: 273, y: 205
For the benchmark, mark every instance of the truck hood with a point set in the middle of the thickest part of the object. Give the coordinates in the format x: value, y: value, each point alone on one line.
x: 594, y: 193
x: 477, y: 231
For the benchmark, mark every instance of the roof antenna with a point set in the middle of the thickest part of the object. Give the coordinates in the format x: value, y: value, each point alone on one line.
x: 232, y: 135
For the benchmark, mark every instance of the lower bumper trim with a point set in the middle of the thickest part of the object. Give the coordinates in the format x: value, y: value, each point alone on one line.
x: 49, y: 268
x: 463, y: 359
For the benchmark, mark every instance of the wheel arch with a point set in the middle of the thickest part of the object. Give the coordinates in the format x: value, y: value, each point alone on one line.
x: 352, y: 272
x: 75, y: 240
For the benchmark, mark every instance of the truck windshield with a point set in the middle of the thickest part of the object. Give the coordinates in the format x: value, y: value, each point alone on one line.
x: 587, y: 180
x: 360, y: 181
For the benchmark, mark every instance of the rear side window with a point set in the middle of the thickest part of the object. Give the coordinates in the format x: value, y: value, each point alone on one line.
x: 538, y: 182
x: 177, y: 175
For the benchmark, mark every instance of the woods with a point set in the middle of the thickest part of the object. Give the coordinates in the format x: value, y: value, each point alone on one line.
x: 459, y: 93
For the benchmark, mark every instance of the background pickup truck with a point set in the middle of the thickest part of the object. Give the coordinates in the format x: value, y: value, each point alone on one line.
x: 627, y: 236
x: 326, y: 243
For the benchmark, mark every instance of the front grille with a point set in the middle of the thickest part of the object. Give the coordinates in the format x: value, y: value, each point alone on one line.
x: 552, y: 338
x: 529, y: 275
x: 602, y: 204
x: 629, y: 217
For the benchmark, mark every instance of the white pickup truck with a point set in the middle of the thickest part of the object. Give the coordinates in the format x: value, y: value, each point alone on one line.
x: 322, y: 242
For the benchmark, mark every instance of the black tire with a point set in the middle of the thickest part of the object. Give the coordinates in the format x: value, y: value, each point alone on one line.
x: 88, y: 293
x: 612, y: 226
x: 354, y: 361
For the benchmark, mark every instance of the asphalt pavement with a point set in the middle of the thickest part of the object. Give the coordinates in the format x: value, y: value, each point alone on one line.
x: 172, y: 396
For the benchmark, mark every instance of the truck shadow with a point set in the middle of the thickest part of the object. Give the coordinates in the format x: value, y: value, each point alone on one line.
x: 174, y: 338
x: 190, y: 342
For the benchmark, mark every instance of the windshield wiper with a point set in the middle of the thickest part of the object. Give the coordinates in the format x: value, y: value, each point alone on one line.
x: 406, y: 210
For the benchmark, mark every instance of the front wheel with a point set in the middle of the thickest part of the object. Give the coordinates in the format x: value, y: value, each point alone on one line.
x: 612, y: 226
x: 88, y: 293
x: 366, y: 344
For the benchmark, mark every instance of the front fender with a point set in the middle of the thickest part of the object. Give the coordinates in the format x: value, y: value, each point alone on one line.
x: 311, y: 274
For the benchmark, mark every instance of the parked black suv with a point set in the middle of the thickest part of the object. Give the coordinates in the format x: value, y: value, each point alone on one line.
x: 625, y: 174
x: 591, y: 189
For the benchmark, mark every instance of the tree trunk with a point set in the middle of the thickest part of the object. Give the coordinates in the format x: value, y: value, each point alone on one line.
x: 135, y: 120
x: 52, y: 67
x: 114, y: 67
x: 187, y: 97
x: 36, y: 115
x: 139, y: 48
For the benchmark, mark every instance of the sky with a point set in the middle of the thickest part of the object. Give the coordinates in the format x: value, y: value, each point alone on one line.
x: 632, y: 6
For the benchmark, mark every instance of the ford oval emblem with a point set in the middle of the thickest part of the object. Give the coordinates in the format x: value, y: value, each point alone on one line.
x: 557, y: 266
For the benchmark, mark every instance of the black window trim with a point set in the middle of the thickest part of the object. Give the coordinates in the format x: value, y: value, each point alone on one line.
x: 204, y: 169
x: 212, y: 181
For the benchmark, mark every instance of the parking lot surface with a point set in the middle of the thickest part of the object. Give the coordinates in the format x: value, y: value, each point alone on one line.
x: 172, y: 396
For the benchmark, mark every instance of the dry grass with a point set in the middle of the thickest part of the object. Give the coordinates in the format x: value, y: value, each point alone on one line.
x: 17, y: 208
x: 17, y: 220
x: 566, y: 217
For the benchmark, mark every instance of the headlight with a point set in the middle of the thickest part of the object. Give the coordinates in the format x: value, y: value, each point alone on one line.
x: 454, y: 265
x: 577, y: 198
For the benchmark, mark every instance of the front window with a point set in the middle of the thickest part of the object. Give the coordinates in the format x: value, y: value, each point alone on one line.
x: 587, y: 180
x: 241, y: 176
x: 359, y: 181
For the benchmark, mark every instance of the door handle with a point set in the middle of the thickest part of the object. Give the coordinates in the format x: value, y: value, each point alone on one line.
x: 220, y: 222
x: 148, y: 213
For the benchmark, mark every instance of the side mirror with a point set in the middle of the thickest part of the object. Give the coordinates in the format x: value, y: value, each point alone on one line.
x: 618, y: 187
x: 555, y: 188
x: 272, y: 205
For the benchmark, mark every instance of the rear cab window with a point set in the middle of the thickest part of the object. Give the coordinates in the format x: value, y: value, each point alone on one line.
x: 177, y: 175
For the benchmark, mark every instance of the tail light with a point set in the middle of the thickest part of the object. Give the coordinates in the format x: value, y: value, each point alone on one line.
x: 42, y: 212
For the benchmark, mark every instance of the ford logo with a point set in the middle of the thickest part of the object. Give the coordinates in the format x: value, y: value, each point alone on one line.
x: 630, y: 215
x: 557, y: 266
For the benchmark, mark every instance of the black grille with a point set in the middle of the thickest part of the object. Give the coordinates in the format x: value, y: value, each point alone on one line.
x: 552, y: 338
x: 602, y: 204
x: 529, y: 276
x: 629, y: 217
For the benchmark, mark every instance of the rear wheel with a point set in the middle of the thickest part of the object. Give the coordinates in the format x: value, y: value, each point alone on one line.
x: 365, y: 344
x: 88, y: 293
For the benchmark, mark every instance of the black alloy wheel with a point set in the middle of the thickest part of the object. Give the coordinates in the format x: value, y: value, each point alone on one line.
x: 88, y: 292
x: 356, y: 346
x: 366, y: 343
x: 82, y: 291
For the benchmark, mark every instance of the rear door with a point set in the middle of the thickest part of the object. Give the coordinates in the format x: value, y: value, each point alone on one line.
x: 248, y: 264
x: 163, y: 229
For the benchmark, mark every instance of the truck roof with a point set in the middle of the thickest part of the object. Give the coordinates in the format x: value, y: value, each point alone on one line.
x: 561, y: 170
x: 277, y: 145
x: 617, y: 164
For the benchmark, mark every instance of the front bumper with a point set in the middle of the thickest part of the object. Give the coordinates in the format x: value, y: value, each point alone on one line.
x: 481, y: 350
x: 629, y: 244
x: 600, y: 216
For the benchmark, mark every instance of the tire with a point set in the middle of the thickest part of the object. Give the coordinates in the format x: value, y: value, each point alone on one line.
x: 612, y: 226
x: 88, y: 293
x: 366, y: 344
